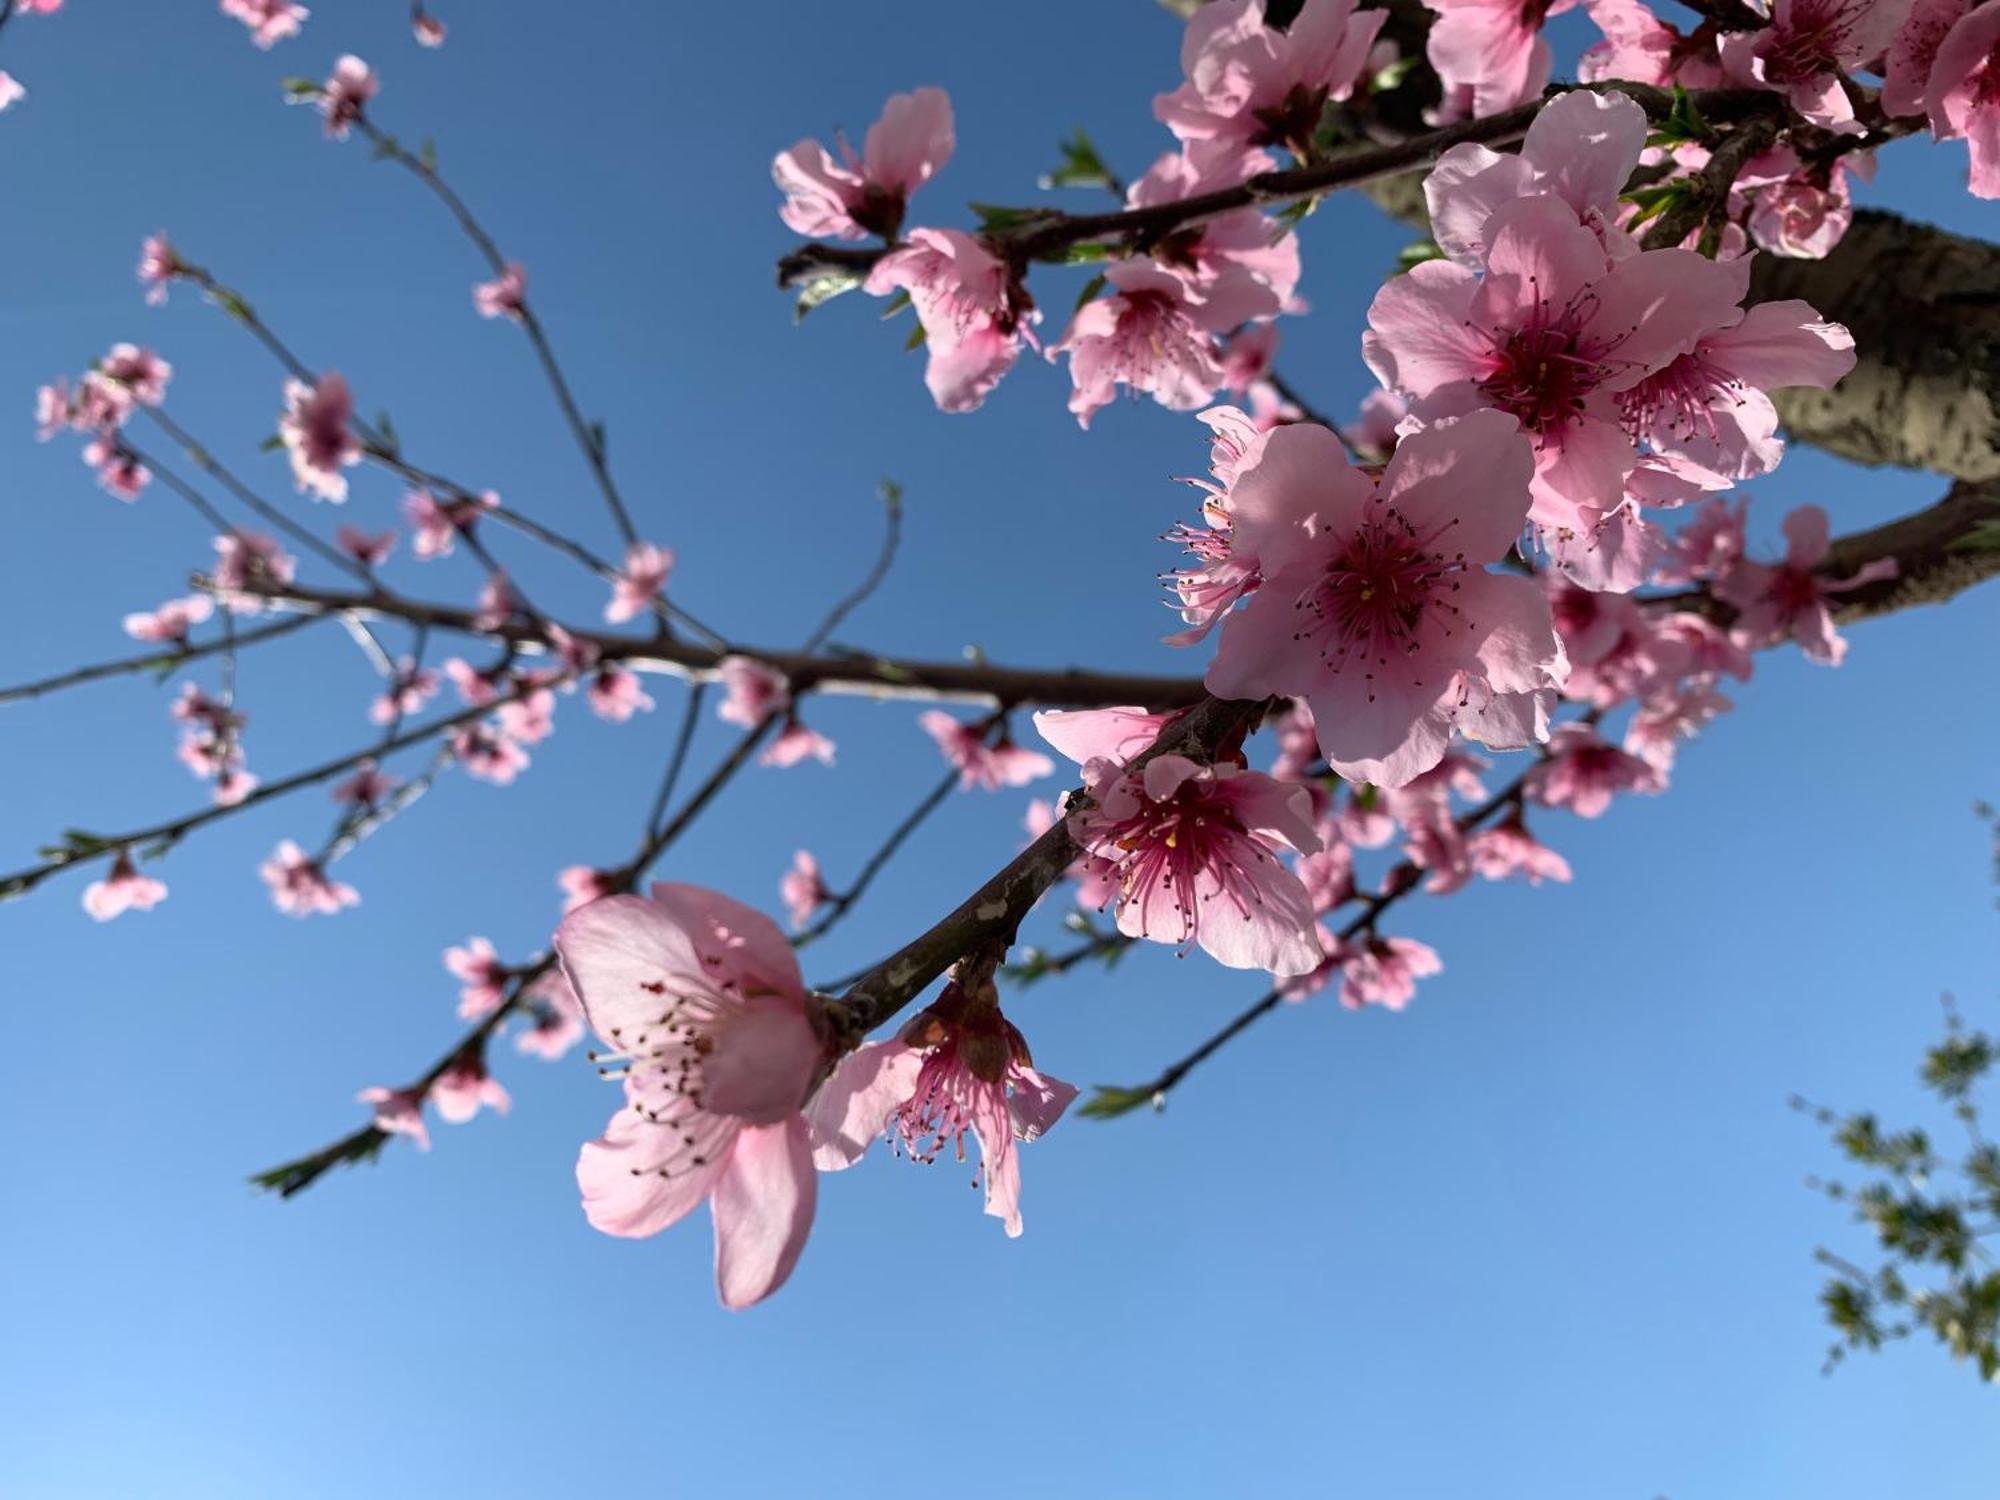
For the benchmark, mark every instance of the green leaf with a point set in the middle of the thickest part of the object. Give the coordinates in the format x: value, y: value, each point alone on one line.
x: 387, y: 146
x: 271, y: 444
x: 428, y: 154
x: 822, y: 286
x: 1292, y: 214
x: 1090, y: 289
x: 1415, y: 254
x: 1392, y: 76
x: 1085, y: 254
x: 1109, y: 1101
x: 895, y: 305
x: 1081, y: 167
x: 1985, y: 537
x: 892, y: 495
x: 300, y: 88
x: 915, y: 340
x: 999, y: 218
x: 232, y: 304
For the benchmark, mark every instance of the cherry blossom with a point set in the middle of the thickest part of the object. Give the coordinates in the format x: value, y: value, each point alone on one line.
x: 1384, y: 971
x: 637, y: 588
x: 858, y: 196
x: 795, y: 743
x: 1808, y: 48
x: 118, y: 469
x: 300, y: 888
x: 1250, y: 83
x: 429, y: 30
x: 1151, y: 335
x: 245, y: 560
x: 1491, y: 52
x: 505, y: 295
x: 315, y: 432
x: 958, y: 1068
x: 170, y: 623
x: 1241, y: 259
x: 399, y: 1112
x: 497, y: 602
x: 367, y: 788
x: 802, y: 889
x: 1002, y: 763
x: 465, y: 1087
x: 974, y: 315
x: 488, y: 755
x: 700, y: 1006
x: 1376, y: 608
x: 752, y: 692
x: 12, y: 91
x: 435, y: 527
x: 369, y: 551
x: 1507, y: 848
x: 344, y: 95
x: 615, y: 695
x: 270, y: 21
x: 139, y: 371
x: 409, y: 689
x: 1964, y: 93
x: 123, y: 889
x: 1582, y: 772
x: 555, y: 1018
x: 582, y: 885
x: 1789, y: 599
x: 478, y: 965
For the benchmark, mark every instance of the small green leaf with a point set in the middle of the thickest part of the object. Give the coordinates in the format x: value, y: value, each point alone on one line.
x: 1081, y: 167
x: 822, y: 286
x: 895, y: 305
x: 1392, y: 76
x: 386, y: 147
x: 1985, y: 537
x: 300, y: 88
x: 1109, y: 1101
x: 1090, y: 289
x: 999, y: 218
x: 1086, y: 254
x: 892, y: 495
x: 428, y: 154
x: 271, y: 444
x: 915, y: 340
x: 234, y: 305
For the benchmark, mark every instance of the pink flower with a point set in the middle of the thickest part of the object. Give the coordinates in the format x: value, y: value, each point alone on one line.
x: 101, y: 404
x: 980, y: 764
x: 270, y: 21
x: 1194, y: 850
x: 465, y: 1087
x: 1789, y: 599
x: 140, y: 371
x: 1240, y: 259
x: 1641, y: 48
x: 1375, y: 432
x: 1118, y: 735
x: 366, y: 788
x: 52, y: 410
x: 504, y: 296
x: 802, y: 889
x: 555, y: 1018
x: 428, y: 28
x: 752, y: 691
x: 1492, y: 51
x: 12, y: 91
x: 249, y: 565
x: 856, y: 197
x: 958, y: 1068
x: 123, y: 890
x: 488, y: 755
x: 638, y: 587
x: 795, y: 742
x: 399, y: 1112
x: 118, y: 471
x: 436, y: 527
x: 478, y: 964
x: 1384, y: 971
x: 369, y: 551
x: 408, y: 691
x: 1799, y: 211
x: 972, y: 312
x: 171, y: 621
x: 1376, y: 606
x: 1223, y: 571
x: 1655, y: 732
x: 314, y: 431
x: 1507, y: 848
x: 1550, y: 334
x: 476, y: 688
x: 1964, y: 97
x: 343, y: 96
x: 300, y: 888
x: 1906, y: 78
x: 529, y: 717
x: 497, y: 602
x: 1148, y: 335
x: 1808, y: 49
x: 1251, y: 83
x: 1582, y: 772
x: 582, y: 885
x: 615, y: 694
x: 699, y: 999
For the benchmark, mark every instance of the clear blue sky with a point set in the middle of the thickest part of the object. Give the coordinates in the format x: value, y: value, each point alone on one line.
x: 1544, y: 1235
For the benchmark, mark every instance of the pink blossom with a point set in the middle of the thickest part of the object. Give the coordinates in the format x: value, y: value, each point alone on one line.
x: 1376, y: 607
x: 1150, y: 334
x: 123, y: 890
x: 802, y: 889
x: 699, y: 1000
x: 1507, y: 848
x: 429, y: 30
x: 1551, y: 333
x: 366, y: 788
x: 118, y: 469
x: 1384, y: 971
x: 1240, y: 259
x: 315, y: 433
x: 973, y: 313
x: 1251, y: 83
x: 1491, y: 51
x: 476, y: 688
x: 1912, y: 56
x: 52, y: 409
x: 171, y: 621
x: 1808, y: 49
x: 1194, y: 849
x: 964, y: 745
x: 958, y: 1068
x: 637, y: 588
x: 270, y: 21
x: 582, y: 885
x: 1790, y: 599
x: 1641, y: 48
x: 41, y: 7
x: 859, y: 196
x: 1223, y: 571
x: 1655, y: 732
x: 369, y: 551
x: 343, y: 96
x: 101, y: 404
x: 794, y: 743
x: 752, y: 691
x: 497, y: 602
x: 1118, y: 735
x: 488, y: 755
x: 505, y: 295
x: 300, y: 888
x: 464, y: 1087
x: 485, y: 988
x: 139, y: 371
x: 1328, y: 875
x: 399, y: 1112
x: 12, y: 91
x: 555, y: 1018
x: 408, y: 691
x: 1376, y: 433
x: 1964, y: 97
x: 1582, y: 772
x: 436, y: 527
x: 615, y: 694
x: 529, y: 717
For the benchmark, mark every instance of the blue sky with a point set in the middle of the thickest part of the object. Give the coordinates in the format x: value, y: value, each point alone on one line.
x: 1544, y: 1234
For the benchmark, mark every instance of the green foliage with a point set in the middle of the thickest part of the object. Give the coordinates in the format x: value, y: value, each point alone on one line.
x: 1001, y: 218
x: 1108, y: 1102
x: 1684, y: 124
x: 1081, y: 167
x: 822, y: 286
x: 1415, y: 254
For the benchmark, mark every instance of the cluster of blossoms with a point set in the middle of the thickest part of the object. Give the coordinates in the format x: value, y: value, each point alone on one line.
x: 99, y: 404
